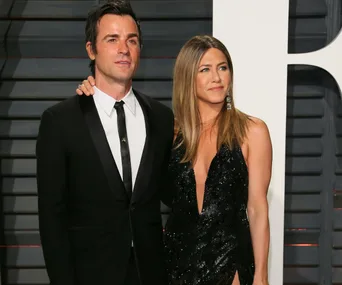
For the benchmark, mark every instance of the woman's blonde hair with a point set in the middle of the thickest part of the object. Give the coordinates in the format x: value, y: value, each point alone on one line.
x: 232, y: 124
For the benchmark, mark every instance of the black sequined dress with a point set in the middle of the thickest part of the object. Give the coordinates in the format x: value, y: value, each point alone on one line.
x: 208, y: 248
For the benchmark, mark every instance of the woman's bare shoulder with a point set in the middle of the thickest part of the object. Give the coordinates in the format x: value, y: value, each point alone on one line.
x: 256, y: 128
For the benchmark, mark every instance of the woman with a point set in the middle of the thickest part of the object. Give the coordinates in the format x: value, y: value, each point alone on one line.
x: 220, y: 169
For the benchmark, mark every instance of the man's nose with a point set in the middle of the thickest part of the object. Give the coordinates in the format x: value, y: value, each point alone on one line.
x: 123, y: 47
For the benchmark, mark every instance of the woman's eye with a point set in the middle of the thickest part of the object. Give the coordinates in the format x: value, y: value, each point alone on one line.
x: 204, y: 69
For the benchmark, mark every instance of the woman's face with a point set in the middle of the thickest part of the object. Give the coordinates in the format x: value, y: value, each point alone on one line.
x: 213, y: 77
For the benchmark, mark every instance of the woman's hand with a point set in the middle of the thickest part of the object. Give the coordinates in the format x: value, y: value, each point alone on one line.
x: 86, y: 87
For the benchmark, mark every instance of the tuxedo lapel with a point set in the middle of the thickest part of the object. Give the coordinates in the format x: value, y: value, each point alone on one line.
x: 147, y: 157
x: 101, y: 144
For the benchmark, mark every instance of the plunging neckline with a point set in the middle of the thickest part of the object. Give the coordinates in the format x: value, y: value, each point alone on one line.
x: 192, y: 170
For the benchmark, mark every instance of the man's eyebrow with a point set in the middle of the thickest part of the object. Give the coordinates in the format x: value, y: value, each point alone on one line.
x: 132, y: 35
x: 129, y: 36
x: 111, y: 36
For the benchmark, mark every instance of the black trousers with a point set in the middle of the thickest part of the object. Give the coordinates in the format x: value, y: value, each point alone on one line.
x: 132, y: 277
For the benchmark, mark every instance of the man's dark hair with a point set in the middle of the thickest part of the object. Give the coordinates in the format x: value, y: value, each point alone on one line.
x: 113, y: 7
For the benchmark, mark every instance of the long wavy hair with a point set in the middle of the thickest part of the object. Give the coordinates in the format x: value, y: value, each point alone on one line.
x: 232, y: 124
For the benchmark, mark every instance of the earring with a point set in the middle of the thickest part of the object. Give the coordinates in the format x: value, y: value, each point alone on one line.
x: 228, y: 101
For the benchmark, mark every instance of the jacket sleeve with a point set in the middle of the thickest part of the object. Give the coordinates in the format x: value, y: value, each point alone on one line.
x: 52, y: 186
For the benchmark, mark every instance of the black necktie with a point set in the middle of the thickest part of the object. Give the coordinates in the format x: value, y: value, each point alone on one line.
x: 125, y: 156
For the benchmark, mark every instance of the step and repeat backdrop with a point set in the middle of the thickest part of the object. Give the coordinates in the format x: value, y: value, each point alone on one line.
x: 256, y: 35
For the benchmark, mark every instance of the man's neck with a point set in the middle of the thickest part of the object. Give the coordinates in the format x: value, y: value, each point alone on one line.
x: 113, y: 89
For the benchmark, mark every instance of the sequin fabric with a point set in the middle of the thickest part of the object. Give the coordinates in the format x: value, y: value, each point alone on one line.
x: 208, y: 248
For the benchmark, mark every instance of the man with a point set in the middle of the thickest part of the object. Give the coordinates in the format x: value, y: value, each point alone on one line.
x: 100, y: 163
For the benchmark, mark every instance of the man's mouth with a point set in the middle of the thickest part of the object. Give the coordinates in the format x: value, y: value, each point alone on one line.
x: 123, y: 62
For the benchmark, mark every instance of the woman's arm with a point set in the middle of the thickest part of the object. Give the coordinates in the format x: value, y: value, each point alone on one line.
x: 259, y: 168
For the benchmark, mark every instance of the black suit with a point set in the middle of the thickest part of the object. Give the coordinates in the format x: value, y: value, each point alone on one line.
x: 87, y: 222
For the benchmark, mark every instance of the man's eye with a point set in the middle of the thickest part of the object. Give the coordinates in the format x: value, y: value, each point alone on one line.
x: 134, y: 42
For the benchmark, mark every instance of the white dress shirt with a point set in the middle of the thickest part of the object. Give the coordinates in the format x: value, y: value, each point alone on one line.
x: 135, y: 125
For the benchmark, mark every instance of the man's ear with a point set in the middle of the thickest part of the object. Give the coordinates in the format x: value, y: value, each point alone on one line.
x: 90, y: 51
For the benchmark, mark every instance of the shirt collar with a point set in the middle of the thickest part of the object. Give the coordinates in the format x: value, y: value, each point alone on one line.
x: 107, y: 102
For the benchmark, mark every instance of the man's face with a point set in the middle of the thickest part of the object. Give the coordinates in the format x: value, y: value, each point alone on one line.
x: 118, y: 48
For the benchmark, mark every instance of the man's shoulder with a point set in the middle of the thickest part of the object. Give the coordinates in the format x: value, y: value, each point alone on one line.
x: 155, y: 105
x: 64, y: 107
x: 160, y: 107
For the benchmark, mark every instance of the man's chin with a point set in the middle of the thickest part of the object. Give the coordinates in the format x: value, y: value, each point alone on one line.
x: 123, y: 80
x: 124, y: 76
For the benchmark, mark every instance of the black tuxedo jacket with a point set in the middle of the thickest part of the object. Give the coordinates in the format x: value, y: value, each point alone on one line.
x: 87, y: 221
